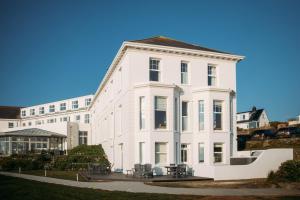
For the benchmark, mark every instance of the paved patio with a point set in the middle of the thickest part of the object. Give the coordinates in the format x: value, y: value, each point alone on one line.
x: 123, y: 177
x: 140, y: 187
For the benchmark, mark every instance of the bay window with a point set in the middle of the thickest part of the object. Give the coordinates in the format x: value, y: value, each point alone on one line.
x: 201, y: 114
x: 184, y: 116
x: 142, y: 114
x: 201, y: 152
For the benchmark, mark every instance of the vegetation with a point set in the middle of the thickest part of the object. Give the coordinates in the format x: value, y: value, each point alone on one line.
x: 80, y: 156
x: 77, y: 159
x: 67, y: 175
x: 289, y: 171
x: 26, y: 162
x: 21, y: 189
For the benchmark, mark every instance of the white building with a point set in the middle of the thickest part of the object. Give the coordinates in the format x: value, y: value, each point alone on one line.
x: 69, y: 117
x: 294, y: 121
x: 255, y: 118
x: 162, y: 101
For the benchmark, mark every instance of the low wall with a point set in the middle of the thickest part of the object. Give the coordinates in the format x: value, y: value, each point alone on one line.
x: 268, y: 160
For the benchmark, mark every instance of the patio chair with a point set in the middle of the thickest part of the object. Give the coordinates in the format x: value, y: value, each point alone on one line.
x: 181, y: 170
x: 137, y: 171
x: 148, y: 171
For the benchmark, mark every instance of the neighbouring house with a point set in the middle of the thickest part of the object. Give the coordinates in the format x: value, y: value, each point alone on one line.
x: 162, y: 101
x: 294, y: 121
x: 255, y: 118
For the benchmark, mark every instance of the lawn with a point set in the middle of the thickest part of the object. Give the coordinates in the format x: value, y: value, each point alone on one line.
x: 16, y: 188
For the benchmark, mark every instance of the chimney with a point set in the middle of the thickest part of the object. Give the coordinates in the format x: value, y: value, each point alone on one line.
x: 253, y: 108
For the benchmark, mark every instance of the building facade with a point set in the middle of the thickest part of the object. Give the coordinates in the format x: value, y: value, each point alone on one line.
x: 163, y: 101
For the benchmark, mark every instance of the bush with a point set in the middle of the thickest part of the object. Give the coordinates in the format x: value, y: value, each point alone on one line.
x: 289, y: 171
x: 80, y: 156
x: 26, y: 162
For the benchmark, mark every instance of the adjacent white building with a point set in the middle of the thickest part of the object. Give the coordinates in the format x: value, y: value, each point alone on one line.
x: 255, y: 118
x: 162, y: 101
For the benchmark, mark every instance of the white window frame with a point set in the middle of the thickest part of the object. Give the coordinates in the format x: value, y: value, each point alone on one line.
x: 41, y: 110
x: 159, y: 153
x: 88, y: 101
x: 201, y: 115
x: 82, y: 136
x: 156, y: 109
x: 201, y: 147
x: 77, y: 118
x: 32, y: 112
x: 87, y: 118
x: 185, y: 117
x: 63, y: 106
x: 184, y: 72
x: 23, y: 113
x: 142, y: 113
x: 219, y: 152
x: 75, y: 104
x: 152, y: 68
x: 184, y: 153
x: 141, y: 152
x: 51, y: 108
x: 211, y: 75
x: 176, y: 114
x: 11, y: 125
x: 217, y: 110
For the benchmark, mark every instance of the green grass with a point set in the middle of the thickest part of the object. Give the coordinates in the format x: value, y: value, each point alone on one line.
x: 17, y: 188
x: 68, y: 175
x: 20, y: 189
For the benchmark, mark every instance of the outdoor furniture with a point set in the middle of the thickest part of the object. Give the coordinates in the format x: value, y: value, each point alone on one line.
x: 148, y: 171
x: 176, y: 171
x: 181, y: 170
x: 138, y: 170
x: 142, y: 171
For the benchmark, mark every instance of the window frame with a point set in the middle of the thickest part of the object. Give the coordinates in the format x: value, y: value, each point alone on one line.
x: 158, y: 70
x: 32, y: 112
x: 215, y: 113
x: 211, y: 76
x: 185, y: 117
x: 82, y: 138
x: 142, y: 112
x: 184, y: 73
x: 201, y: 115
x: 63, y: 106
x: 166, y: 112
x: 159, y: 153
x: 42, y: 110
x: 221, y: 145
x: 200, y: 160
x: 51, y: 108
x: 75, y: 105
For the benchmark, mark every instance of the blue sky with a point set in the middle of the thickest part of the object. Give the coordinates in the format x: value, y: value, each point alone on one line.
x: 52, y: 50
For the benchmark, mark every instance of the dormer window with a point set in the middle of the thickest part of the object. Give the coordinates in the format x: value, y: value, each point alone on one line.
x: 154, y: 73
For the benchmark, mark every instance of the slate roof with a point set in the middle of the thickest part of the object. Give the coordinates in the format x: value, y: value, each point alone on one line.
x: 33, y: 132
x: 10, y: 112
x: 254, y: 115
x: 165, y: 41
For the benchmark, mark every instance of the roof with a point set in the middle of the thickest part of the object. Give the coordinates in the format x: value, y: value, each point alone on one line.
x: 33, y: 132
x: 10, y: 112
x: 254, y: 115
x: 165, y: 41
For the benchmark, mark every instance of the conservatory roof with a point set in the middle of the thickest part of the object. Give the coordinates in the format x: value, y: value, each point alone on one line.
x: 33, y: 132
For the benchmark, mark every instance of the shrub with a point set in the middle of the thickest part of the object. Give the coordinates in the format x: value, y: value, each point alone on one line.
x: 26, y: 162
x: 289, y: 171
x: 80, y: 156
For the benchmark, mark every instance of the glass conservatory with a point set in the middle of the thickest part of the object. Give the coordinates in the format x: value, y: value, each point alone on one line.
x: 30, y: 141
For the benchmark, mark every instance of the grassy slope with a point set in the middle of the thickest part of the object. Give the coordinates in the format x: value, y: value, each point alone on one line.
x: 16, y: 188
x: 276, y: 143
x: 68, y: 175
